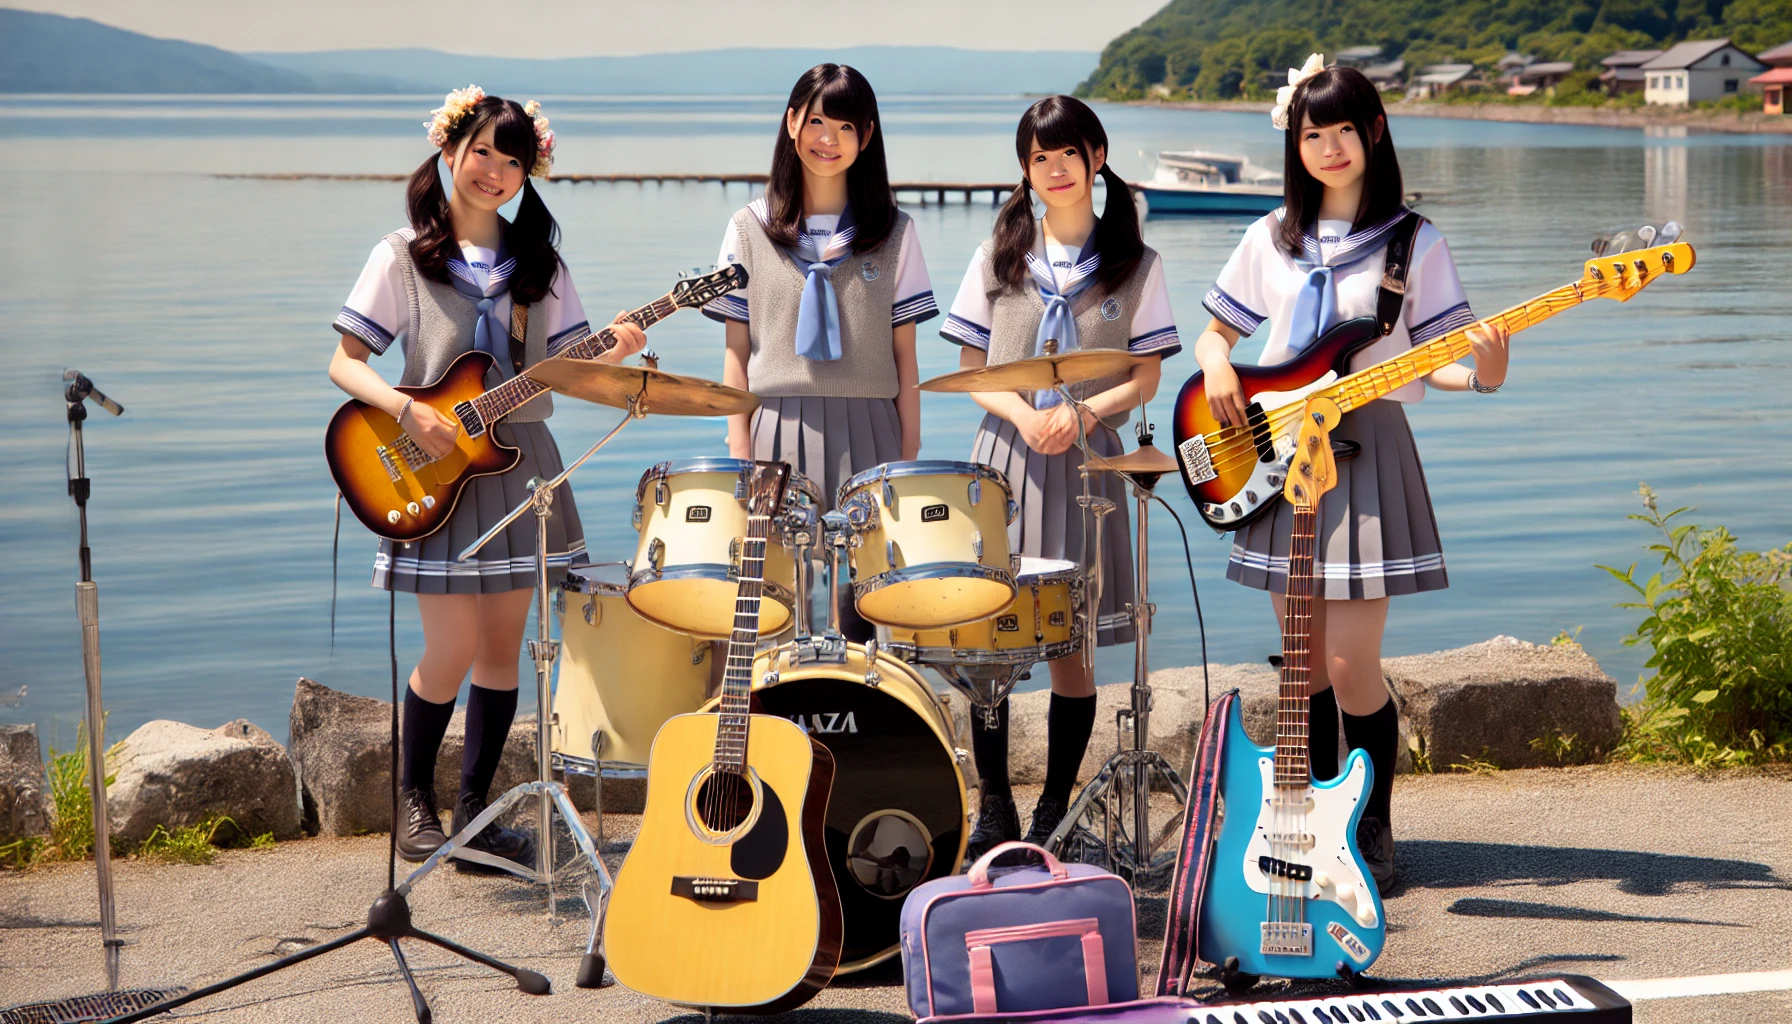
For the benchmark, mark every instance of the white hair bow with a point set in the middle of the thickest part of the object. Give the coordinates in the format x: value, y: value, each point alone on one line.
x: 1278, y: 115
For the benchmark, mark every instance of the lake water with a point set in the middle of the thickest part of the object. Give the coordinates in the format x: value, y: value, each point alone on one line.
x: 204, y: 305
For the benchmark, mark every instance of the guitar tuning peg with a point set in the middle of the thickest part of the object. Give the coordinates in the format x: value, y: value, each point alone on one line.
x: 1600, y: 244
x: 696, y: 271
x: 1646, y: 234
x: 1669, y: 232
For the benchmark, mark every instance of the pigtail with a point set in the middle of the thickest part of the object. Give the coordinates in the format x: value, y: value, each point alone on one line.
x: 426, y: 202
x: 533, y: 238
x: 1013, y: 236
x: 1117, y: 235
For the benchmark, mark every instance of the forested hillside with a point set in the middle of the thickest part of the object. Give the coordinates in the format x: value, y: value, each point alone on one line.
x: 1225, y: 49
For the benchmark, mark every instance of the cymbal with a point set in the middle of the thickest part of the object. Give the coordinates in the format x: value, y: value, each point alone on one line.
x: 1040, y: 373
x: 1144, y: 459
x: 666, y: 394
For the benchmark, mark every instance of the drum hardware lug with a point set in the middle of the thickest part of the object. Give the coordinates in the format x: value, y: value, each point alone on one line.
x: 771, y: 679
x: 872, y: 677
x: 546, y: 651
x: 961, y: 756
x: 740, y: 484
x: 889, y: 494
x: 977, y: 545
x: 1013, y: 560
x: 594, y: 612
x: 734, y: 557
x: 559, y: 602
x: 890, y: 553
x: 975, y: 491
x: 656, y: 552
x: 1013, y: 511
x: 660, y: 492
x: 635, y: 517
x: 699, y: 651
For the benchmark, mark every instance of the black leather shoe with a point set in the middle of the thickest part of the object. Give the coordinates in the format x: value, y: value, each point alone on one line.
x: 998, y: 822
x: 1375, y: 841
x: 1047, y: 814
x: 494, y: 842
x: 421, y: 832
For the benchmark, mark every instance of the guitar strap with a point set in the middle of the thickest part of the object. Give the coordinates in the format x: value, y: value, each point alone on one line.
x: 519, y: 333
x: 1393, y: 275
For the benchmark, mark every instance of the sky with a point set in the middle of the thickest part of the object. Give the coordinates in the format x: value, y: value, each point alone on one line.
x: 581, y: 28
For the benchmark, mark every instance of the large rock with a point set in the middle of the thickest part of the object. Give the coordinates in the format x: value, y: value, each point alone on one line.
x: 24, y: 806
x: 341, y: 745
x: 1488, y: 702
x: 172, y: 774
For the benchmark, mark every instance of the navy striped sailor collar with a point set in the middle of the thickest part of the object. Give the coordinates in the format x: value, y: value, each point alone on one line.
x: 1088, y: 261
x: 497, y: 275
x: 1356, y: 245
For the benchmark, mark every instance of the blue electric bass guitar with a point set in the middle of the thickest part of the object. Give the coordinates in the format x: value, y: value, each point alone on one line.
x: 1289, y: 895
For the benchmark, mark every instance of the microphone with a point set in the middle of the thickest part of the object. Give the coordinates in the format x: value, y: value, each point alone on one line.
x: 83, y: 388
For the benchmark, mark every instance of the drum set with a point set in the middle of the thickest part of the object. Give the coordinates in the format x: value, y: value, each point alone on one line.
x: 924, y: 547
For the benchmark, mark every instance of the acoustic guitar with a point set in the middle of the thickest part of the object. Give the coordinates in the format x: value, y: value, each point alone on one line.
x: 726, y: 900
x: 1234, y: 474
x: 397, y: 490
x: 1289, y: 895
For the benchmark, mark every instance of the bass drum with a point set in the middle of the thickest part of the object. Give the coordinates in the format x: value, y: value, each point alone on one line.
x: 896, y: 817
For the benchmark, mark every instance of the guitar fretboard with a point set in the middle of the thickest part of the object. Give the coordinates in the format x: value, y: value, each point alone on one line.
x: 1292, y: 705
x: 516, y: 392
x: 737, y: 677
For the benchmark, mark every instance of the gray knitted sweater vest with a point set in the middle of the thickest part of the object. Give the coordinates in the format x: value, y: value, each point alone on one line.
x: 441, y: 330
x: 1103, y: 321
x: 865, y: 287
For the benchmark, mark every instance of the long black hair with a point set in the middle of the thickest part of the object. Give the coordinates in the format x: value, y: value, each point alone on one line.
x: 843, y: 94
x: 532, y: 238
x: 1063, y: 122
x: 1334, y: 96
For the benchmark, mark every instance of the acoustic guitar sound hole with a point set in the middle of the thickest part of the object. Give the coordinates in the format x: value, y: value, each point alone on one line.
x: 724, y: 801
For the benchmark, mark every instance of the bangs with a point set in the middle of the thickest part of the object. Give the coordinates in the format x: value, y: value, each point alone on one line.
x: 513, y: 132
x: 1053, y: 124
x: 845, y: 97
x: 1333, y: 98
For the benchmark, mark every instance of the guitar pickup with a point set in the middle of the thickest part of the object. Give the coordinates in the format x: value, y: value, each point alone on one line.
x: 1258, y: 421
x: 470, y: 420
x: 715, y: 890
x: 1285, y: 938
x: 1276, y: 867
x: 389, y: 462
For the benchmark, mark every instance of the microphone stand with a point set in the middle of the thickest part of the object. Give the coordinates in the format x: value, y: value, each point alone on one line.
x: 87, y: 604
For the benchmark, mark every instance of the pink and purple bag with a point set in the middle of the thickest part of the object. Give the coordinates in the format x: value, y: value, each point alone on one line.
x: 1033, y: 938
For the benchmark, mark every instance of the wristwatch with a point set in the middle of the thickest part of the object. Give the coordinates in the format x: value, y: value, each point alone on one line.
x: 1475, y: 385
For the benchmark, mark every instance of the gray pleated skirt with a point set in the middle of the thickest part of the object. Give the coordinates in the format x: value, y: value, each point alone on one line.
x: 827, y: 439
x: 1051, y: 523
x: 507, y: 562
x: 1377, y: 533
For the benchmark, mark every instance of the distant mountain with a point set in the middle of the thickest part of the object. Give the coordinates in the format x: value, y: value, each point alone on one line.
x: 892, y: 70
x: 51, y: 53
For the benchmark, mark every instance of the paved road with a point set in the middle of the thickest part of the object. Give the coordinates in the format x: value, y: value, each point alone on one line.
x: 1613, y: 872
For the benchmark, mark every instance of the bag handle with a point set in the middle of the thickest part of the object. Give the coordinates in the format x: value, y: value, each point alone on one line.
x: 1095, y: 974
x: 979, y: 873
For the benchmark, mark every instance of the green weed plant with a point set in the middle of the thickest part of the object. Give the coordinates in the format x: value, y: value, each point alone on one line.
x: 1720, y: 623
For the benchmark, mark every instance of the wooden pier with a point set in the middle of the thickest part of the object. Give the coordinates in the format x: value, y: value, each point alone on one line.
x: 919, y: 190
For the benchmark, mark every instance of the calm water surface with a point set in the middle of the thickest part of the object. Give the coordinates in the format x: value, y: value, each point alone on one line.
x: 204, y: 305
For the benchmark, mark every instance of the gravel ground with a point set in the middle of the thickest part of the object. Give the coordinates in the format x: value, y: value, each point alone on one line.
x: 1615, y: 872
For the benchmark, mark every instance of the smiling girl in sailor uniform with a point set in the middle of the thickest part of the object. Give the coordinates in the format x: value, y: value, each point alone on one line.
x: 1309, y: 266
x: 1085, y: 283
x: 443, y: 287
x: 824, y: 332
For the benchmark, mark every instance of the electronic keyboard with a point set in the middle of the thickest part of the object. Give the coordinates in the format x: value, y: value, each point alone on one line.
x: 1564, y: 997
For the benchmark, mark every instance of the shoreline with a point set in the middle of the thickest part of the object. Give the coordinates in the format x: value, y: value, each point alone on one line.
x: 1588, y: 117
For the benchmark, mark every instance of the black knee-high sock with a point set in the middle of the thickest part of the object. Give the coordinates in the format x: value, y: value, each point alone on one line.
x: 1322, y: 735
x: 425, y: 723
x: 1067, y: 732
x: 1378, y: 735
x: 489, y: 714
x: 990, y: 745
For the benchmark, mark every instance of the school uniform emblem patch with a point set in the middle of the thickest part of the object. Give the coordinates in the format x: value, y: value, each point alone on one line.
x: 1110, y: 310
x: 869, y: 270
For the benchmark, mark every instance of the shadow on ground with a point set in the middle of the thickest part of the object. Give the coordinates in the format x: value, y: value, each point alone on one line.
x: 1434, y: 864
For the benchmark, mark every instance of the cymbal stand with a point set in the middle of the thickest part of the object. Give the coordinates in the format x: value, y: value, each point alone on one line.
x: 550, y: 795
x: 1109, y: 822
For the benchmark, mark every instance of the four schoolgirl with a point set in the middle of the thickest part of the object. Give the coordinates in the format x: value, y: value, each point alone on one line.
x: 824, y: 334
x: 445, y: 286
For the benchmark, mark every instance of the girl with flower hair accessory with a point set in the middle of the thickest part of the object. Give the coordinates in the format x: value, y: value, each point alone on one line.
x: 462, y: 278
x: 1317, y: 262
x: 824, y: 332
x: 1084, y: 282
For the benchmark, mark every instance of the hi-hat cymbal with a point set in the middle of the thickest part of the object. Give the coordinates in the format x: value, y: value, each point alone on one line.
x: 665, y: 394
x: 1144, y: 459
x: 1040, y: 373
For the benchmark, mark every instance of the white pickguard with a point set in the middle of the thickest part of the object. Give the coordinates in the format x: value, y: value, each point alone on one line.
x: 1265, y: 484
x: 1328, y: 823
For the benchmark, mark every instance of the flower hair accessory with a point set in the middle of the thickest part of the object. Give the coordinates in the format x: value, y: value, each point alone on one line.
x: 544, y: 141
x: 443, y: 120
x: 1278, y: 115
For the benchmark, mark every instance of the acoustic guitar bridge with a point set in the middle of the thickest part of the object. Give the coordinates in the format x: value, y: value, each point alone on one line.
x: 715, y: 890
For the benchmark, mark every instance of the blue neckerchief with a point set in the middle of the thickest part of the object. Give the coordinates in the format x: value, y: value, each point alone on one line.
x: 1317, y: 304
x: 818, y: 315
x: 1059, y: 322
x: 486, y: 332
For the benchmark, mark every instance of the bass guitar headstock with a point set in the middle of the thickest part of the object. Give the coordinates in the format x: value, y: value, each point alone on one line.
x: 1621, y: 275
x: 692, y: 292
x: 765, y: 487
x: 1313, y: 471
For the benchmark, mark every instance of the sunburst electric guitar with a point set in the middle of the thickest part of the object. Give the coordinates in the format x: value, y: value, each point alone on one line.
x: 726, y: 900
x: 397, y: 490
x: 1234, y: 474
x: 1289, y: 895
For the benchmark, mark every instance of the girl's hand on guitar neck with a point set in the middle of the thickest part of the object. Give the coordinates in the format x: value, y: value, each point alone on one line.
x: 429, y: 428
x: 629, y: 339
x: 1492, y: 345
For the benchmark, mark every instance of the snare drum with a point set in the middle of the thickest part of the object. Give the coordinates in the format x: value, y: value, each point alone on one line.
x: 1044, y: 623
x: 931, y: 544
x: 691, y: 516
x: 620, y: 674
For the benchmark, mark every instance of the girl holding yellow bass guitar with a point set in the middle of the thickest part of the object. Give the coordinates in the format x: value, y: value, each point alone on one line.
x: 1318, y: 262
x: 449, y: 285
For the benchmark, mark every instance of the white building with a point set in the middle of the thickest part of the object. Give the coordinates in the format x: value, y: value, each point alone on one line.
x: 1698, y: 72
